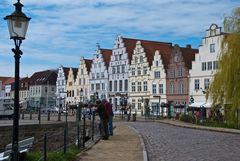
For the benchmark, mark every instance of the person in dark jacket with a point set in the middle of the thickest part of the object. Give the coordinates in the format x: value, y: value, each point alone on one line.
x: 108, y: 107
x: 102, y: 112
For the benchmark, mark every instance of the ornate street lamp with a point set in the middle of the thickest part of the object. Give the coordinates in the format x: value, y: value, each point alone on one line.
x: 17, y: 26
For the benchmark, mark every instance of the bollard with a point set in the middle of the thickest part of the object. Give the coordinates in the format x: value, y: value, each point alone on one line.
x: 59, y: 116
x: 39, y: 116
x: 45, y: 147
x: 30, y: 115
x: 93, y: 119
x: 23, y: 115
x: 48, y: 118
x: 84, y: 129
x: 65, y: 141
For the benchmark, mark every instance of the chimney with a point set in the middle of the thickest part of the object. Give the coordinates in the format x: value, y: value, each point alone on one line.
x: 188, y: 46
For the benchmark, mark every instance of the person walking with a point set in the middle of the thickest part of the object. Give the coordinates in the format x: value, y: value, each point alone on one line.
x: 109, y: 110
x: 102, y: 112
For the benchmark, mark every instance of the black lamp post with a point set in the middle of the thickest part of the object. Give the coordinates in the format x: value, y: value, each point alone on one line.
x: 17, y: 26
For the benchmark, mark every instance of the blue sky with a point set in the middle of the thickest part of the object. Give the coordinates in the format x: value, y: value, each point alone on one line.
x: 61, y: 31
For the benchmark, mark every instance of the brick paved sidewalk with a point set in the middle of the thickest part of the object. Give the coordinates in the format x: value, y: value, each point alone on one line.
x: 124, y: 145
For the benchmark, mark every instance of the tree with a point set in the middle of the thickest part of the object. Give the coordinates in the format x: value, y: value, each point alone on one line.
x: 225, y: 88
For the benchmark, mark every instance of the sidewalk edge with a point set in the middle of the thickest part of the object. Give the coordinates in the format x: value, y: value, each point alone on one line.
x: 145, y: 155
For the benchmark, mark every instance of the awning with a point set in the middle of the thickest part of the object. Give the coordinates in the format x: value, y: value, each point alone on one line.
x: 197, y: 104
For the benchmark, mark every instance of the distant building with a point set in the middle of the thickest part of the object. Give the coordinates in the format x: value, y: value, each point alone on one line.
x: 61, y: 83
x: 42, y: 89
x: 24, y: 89
x: 99, y: 74
x: 2, y: 85
x: 178, y: 77
x: 70, y: 87
x: 82, y: 80
x: 205, y: 66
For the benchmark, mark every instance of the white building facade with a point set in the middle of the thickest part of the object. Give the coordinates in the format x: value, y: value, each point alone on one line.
x: 99, y: 74
x: 205, y: 65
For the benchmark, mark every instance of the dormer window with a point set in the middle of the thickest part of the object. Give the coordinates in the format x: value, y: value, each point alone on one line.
x: 176, y: 58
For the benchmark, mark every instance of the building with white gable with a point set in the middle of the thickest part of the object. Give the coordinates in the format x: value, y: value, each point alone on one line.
x: 82, y: 80
x: 99, y: 74
x: 61, y: 92
x: 118, y: 71
x: 205, y: 65
x: 70, y: 87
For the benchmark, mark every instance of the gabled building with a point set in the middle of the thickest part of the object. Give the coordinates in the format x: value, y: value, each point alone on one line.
x: 141, y: 76
x: 178, y: 77
x: 70, y: 87
x: 24, y: 89
x: 2, y: 85
x: 61, y: 83
x: 119, y: 69
x: 99, y: 74
x: 205, y: 65
x: 82, y: 80
x: 42, y: 89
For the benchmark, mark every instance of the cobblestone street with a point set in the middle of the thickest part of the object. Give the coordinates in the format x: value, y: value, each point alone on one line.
x: 170, y: 143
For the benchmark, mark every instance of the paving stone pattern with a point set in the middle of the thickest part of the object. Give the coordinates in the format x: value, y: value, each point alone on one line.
x: 170, y: 143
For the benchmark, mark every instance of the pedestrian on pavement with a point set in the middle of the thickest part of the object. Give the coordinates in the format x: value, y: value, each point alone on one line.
x: 108, y: 107
x: 102, y: 112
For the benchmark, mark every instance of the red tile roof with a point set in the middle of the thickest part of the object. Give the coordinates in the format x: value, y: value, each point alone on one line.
x: 44, y: 78
x: 106, y: 53
x: 3, y: 79
x: 188, y: 56
x: 88, y: 63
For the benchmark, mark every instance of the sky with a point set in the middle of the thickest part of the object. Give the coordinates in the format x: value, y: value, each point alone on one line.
x: 62, y: 31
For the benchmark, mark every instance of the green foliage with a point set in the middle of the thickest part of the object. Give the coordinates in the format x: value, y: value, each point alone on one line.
x: 225, y: 88
x: 187, y: 118
x: 54, y: 156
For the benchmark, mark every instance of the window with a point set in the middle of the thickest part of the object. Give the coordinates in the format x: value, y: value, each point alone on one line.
x: 70, y: 83
x: 120, y: 85
x: 215, y: 65
x: 113, y: 70
x: 80, y: 81
x: 144, y: 70
x: 206, y: 83
x: 92, y: 87
x: 180, y: 72
x: 103, y: 86
x: 133, y: 71
x: 160, y: 88
x: 136, y: 60
x: 139, y: 86
x: 171, y: 87
x: 97, y: 75
x: 209, y: 65
x: 102, y: 74
x: 115, y: 85
x: 141, y: 59
x: 133, y: 103
x: 46, y: 89
x: 110, y: 85
x: 93, y: 76
x: 157, y: 74
x: 180, y: 87
x: 99, y: 65
x: 81, y: 71
x: 97, y: 86
x: 145, y: 86
x: 120, y: 56
x: 118, y: 69
x: 83, y: 81
x: 123, y: 68
x: 212, y: 48
x: 204, y: 66
x: 139, y: 70
x: 126, y: 85
x: 133, y: 87
x: 154, y: 88
x: 62, y: 82
x: 196, y: 84
x: 156, y: 63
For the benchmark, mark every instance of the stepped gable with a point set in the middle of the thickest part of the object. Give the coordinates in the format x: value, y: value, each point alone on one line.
x: 149, y: 47
x: 165, y: 49
x: 106, y: 54
x: 44, y: 77
x: 188, y: 55
x: 88, y: 63
x: 75, y: 70
x: 66, y: 71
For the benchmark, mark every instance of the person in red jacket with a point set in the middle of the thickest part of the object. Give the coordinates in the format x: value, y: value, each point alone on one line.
x: 109, y: 110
